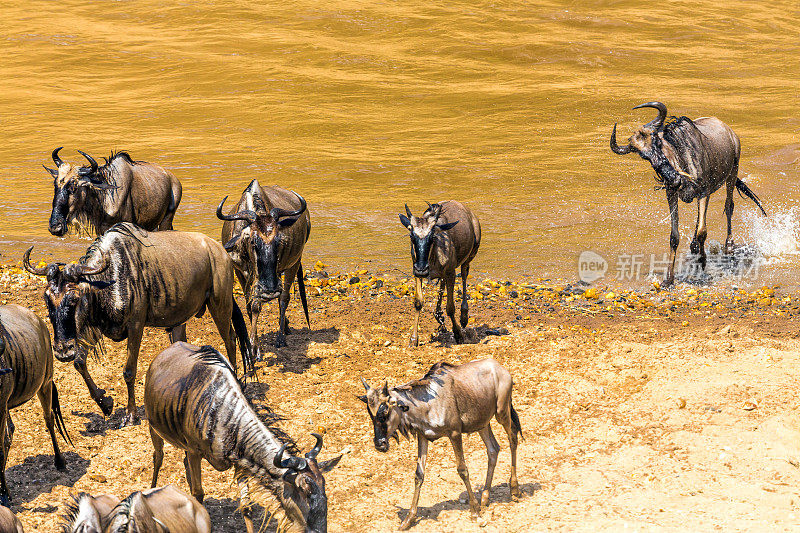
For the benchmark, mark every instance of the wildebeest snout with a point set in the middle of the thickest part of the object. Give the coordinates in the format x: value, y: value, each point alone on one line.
x: 382, y: 444
x: 65, y: 351
x: 266, y: 293
x: 58, y: 225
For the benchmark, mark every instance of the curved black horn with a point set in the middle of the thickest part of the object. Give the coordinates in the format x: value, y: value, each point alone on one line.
x: 246, y: 215
x: 615, y: 148
x: 312, y: 454
x: 366, y: 385
x: 293, y: 463
x: 662, y: 113
x: 91, y: 161
x: 408, y: 211
x: 26, y: 262
x: 57, y: 160
x: 277, y: 213
x: 85, y: 270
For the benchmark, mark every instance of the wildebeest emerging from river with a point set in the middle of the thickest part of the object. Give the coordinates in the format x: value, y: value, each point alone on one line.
x: 26, y: 358
x: 265, y: 234
x: 122, y: 190
x: 445, y: 237
x: 194, y: 401
x: 130, y: 278
x: 448, y: 401
x: 692, y: 158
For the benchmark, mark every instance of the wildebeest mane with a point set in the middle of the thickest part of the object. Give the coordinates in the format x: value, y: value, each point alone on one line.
x: 71, y: 511
x: 686, y: 139
x: 425, y: 381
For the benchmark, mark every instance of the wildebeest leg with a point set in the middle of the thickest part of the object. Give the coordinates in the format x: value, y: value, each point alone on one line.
x: 45, y: 394
x: 419, y: 477
x: 129, y: 374
x: 461, y: 467
x: 253, y: 310
x: 194, y: 475
x: 221, y: 312
x: 5, y: 497
x: 730, y: 186
x: 283, y: 324
x: 244, y: 499
x: 450, y: 283
x: 503, y: 416
x: 700, y: 231
x: 418, y: 304
x: 158, y: 455
x: 674, y: 236
x: 492, y: 450
x: 178, y: 333
x: 106, y: 403
x: 464, y: 304
x: 438, y: 313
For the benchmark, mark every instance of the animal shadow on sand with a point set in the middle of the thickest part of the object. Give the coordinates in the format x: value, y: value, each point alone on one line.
x: 97, y: 424
x: 499, y: 493
x: 294, y: 357
x: 472, y: 335
x: 225, y: 516
x: 37, y: 475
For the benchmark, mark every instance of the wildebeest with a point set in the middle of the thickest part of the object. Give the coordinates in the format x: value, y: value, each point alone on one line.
x: 445, y: 237
x: 194, y: 401
x: 26, y: 358
x: 130, y: 278
x: 9, y: 523
x: 265, y: 233
x: 88, y: 514
x: 122, y: 190
x: 448, y: 401
x: 692, y: 159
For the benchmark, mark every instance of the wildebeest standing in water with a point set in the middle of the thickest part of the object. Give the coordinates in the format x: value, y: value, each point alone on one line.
x: 122, y: 190
x: 26, y: 358
x: 194, y: 401
x: 692, y: 158
x: 129, y: 279
x: 9, y: 523
x: 445, y: 237
x: 265, y: 233
x: 448, y: 401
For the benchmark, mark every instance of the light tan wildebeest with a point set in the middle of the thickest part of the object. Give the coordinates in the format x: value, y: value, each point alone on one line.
x: 448, y: 401
x: 9, y: 523
x: 444, y: 238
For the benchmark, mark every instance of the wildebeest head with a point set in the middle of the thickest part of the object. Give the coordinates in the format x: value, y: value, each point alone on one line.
x: 72, y: 185
x: 648, y: 142
x: 259, y: 242
x: 422, y: 233
x: 67, y: 300
x: 88, y: 514
x: 304, y: 496
x: 384, y: 409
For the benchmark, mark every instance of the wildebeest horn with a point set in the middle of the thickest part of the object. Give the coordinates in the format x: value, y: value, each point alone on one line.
x: 312, y: 454
x: 366, y: 385
x: 408, y: 211
x: 293, y: 463
x: 26, y: 262
x: 662, y: 113
x: 57, y: 160
x: 91, y: 161
x: 277, y: 212
x: 247, y: 215
x: 84, y: 270
x: 615, y: 148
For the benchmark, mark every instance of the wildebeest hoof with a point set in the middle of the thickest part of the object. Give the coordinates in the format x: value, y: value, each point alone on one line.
x: 131, y: 419
x: 413, y: 342
x: 61, y: 465
x: 484, y: 498
x: 407, y: 523
x: 106, y: 404
x: 694, y: 247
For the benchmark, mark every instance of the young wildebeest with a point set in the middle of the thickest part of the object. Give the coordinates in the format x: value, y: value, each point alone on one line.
x: 9, y: 523
x: 194, y: 401
x: 163, y: 510
x: 265, y: 233
x: 692, y: 158
x: 445, y: 237
x: 448, y: 401
x: 130, y: 279
x: 26, y: 358
x: 122, y: 190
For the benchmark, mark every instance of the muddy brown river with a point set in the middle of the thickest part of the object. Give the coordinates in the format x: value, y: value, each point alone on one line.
x: 363, y: 106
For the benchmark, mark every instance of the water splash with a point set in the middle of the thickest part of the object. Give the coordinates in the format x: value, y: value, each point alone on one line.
x: 776, y: 237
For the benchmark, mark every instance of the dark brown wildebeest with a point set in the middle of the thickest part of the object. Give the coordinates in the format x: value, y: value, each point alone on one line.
x: 692, y: 159
x: 87, y: 513
x: 194, y: 401
x: 445, y: 237
x: 448, y: 401
x: 26, y: 358
x: 9, y: 523
x: 265, y: 233
x: 130, y: 278
x: 122, y: 190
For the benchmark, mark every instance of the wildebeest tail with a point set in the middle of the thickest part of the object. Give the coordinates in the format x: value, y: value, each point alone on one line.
x: 301, y: 287
x: 745, y: 190
x: 56, y: 407
x: 515, y: 422
x: 245, y: 347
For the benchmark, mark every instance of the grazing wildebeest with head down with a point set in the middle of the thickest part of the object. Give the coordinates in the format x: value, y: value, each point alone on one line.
x: 692, y: 159
x: 194, y: 401
x: 9, y: 523
x: 87, y: 513
x: 26, y: 358
x: 129, y: 279
x: 445, y: 237
x: 448, y: 401
x: 122, y: 190
x: 265, y: 233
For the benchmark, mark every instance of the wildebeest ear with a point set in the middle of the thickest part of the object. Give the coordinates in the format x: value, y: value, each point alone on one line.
x: 101, y: 185
x: 53, y: 172
x: 4, y: 371
x: 363, y: 398
x: 405, y: 221
x: 330, y: 464
x: 286, y: 222
x: 99, y: 284
x: 231, y: 243
x: 445, y: 227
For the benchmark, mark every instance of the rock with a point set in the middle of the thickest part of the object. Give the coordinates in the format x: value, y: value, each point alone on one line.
x: 725, y: 331
x: 354, y: 280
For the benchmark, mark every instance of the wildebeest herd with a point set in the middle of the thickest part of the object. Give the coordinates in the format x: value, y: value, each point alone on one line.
x: 138, y: 272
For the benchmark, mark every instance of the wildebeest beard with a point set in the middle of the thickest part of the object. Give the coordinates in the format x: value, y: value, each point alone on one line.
x: 687, y: 142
